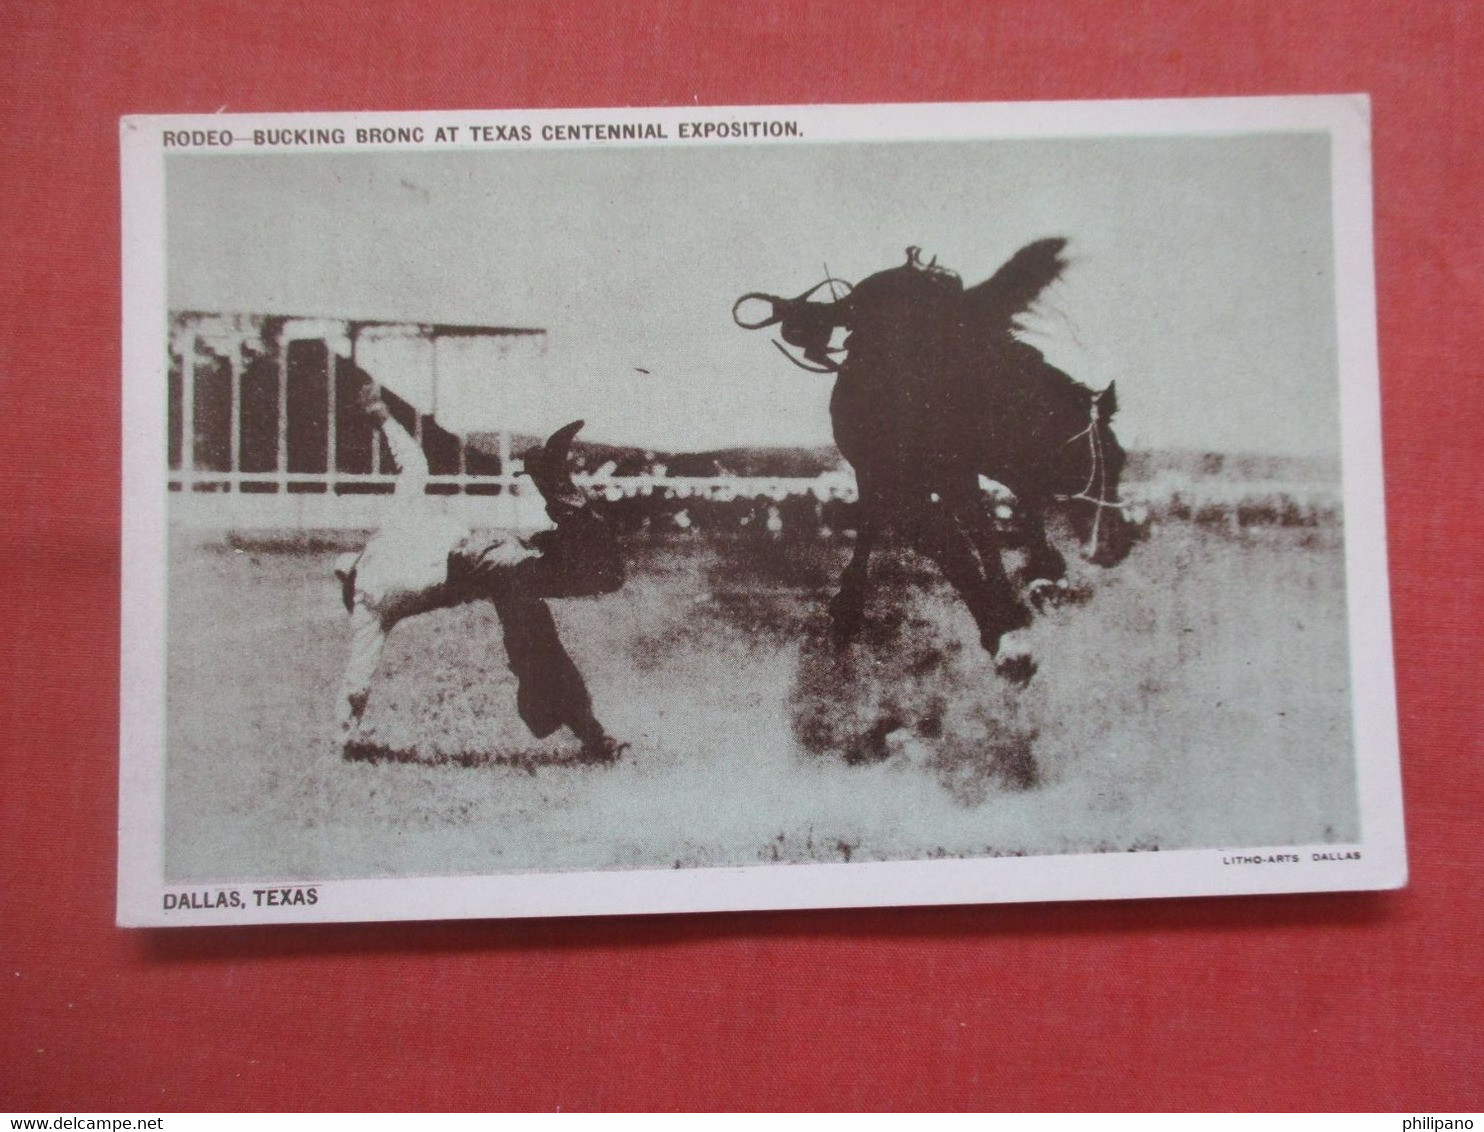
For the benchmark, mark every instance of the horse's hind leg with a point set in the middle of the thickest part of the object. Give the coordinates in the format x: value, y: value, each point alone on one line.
x: 848, y: 606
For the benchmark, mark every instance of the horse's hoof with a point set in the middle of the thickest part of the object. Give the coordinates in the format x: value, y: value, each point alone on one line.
x: 1044, y: 594
x: 1013, y: 660
x: 1017, y: 670
x: 604, y: 750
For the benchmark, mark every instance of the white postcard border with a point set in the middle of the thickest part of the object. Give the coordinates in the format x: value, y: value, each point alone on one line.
x: 1377, y: 862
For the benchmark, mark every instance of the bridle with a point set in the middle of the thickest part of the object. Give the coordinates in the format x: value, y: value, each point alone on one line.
x: 1095, y: 490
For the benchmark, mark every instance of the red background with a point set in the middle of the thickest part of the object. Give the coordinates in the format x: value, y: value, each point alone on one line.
x: 1341, y: 1001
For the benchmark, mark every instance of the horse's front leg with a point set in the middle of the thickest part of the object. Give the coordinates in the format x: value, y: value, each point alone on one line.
x: 985, y: 588
x: 1046, y: 568
x: 848, y: 606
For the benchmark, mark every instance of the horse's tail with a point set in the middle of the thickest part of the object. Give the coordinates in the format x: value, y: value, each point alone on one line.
x: 994, y: 305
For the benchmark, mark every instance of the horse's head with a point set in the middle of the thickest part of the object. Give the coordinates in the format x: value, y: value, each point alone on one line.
x: 801, y: 322
x: 1088, y: 470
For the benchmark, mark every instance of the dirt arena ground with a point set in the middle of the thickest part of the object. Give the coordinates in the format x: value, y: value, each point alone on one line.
x: 1198, y: 699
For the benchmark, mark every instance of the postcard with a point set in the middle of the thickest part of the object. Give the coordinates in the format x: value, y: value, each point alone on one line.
x: 681, y: 509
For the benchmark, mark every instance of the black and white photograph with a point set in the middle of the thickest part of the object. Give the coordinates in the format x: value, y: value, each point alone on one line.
x: 592, y: 512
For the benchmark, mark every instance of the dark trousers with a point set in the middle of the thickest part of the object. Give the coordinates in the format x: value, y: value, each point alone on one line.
x: 579, y: 558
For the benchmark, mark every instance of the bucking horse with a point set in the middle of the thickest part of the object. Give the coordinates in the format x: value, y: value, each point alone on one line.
x: 932, y: 391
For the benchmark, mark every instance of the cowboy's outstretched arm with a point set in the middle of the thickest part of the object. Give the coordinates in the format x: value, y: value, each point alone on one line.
x: 407, y: 454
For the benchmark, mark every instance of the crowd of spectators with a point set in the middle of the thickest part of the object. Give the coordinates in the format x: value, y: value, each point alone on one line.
x: 744, y: 508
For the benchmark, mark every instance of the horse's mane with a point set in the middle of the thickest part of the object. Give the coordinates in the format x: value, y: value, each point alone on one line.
x: 1018, y: 374
x: 1023, y: 373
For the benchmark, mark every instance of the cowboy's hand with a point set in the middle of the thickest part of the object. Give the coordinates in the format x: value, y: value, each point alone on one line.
x: 368, y: 400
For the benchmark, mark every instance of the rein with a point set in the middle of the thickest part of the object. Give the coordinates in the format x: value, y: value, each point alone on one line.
x: 805, y: 366
x: 1097, y: 476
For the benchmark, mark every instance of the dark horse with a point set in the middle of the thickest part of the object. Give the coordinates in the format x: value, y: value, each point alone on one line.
x: 935, y: 391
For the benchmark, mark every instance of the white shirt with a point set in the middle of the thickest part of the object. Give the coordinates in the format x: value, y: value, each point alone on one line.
x: 405, y: 564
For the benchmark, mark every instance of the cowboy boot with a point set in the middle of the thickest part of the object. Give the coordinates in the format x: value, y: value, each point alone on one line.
x: 549, y: 471
x: 580, y: 556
